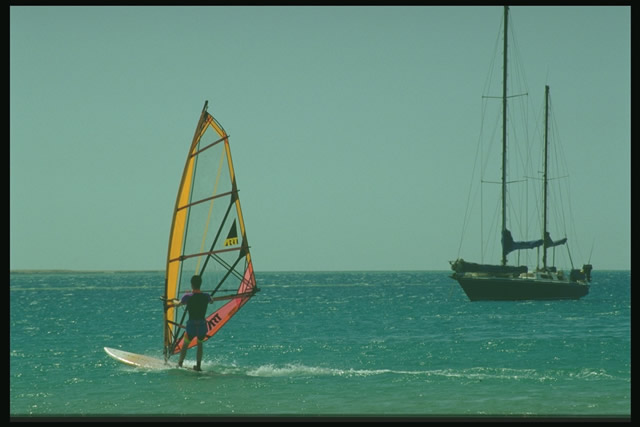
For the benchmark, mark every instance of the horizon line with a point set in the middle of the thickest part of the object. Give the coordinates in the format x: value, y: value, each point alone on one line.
x: 62, y: 270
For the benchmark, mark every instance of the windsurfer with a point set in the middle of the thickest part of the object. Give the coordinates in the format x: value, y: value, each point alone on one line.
x: 196, y: 303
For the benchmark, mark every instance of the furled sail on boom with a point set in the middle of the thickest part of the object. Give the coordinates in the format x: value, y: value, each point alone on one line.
x: 207, y: 237
x: 510, y: 245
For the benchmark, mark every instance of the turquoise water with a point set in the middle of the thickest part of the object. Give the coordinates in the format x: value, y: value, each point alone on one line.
x: 337, y: 344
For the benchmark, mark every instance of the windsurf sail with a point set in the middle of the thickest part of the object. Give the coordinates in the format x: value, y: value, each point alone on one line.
x: 207, y: 237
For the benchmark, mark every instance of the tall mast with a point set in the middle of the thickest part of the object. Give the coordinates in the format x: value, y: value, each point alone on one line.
x: 504, y: 130
x: 545, y: 177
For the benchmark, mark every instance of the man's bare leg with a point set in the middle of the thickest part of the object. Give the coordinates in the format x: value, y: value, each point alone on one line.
x: 183, y: 352
x: 198, y: 357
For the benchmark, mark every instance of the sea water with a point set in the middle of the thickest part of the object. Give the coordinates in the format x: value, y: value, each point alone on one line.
x: 322, y: 343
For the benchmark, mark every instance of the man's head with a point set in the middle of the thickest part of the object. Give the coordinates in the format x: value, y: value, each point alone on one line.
x: 196, y: 281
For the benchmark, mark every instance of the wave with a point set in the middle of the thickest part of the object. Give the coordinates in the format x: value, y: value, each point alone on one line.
x: 300, y: 370
x: 478, y: 373
x: 47, y: 288
x: 303, y: 370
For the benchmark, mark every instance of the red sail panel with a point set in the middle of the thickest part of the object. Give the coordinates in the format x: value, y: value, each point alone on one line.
x: 220, y: 317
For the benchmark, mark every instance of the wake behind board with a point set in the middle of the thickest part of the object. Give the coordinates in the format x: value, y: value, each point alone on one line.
x: 138, y: 360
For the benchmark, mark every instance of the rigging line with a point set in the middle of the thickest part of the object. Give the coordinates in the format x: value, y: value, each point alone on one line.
x: 215, y: 240
x: 569, y: 253
x: 206, y: 228
x: 226, y: 265
x: 495, y: 230
x: 184, y: 257
x: 560, y: 207
x: 180, y: 325
x: 221, y: 298
x: 237, y: 275
x: 234, y: 296
x: 477, y: 164
x: 228, y: 273
x: 174, y: 339
x: 508, y: 182
x: 206, y: 199
x: 564, y: 202
x: 162, y: 298
x: 177, y: 324
x: 519, y: 73
x: 188, y: 214
x: 194, y: 158
x: 478, y: 160
x: 488, y: 152
x: 492, y: 64
x: 510, y: 96
x: 548, y: 179
x: 210, y: 145
x: 481, y: 223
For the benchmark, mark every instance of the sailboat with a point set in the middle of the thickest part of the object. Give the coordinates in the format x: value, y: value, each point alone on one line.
x: 207, y: 238
x: 516, y: 282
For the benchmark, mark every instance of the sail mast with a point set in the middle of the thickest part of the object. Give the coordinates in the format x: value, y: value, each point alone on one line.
x: 504, y: 132
x: 545, y: 177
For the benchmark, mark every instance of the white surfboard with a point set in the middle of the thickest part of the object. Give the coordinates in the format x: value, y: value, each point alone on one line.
x: 139, y: 360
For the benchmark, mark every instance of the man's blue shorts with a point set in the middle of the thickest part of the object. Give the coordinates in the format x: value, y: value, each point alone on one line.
x: 196, y: 328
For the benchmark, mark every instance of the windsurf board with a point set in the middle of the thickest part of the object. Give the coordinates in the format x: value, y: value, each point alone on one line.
x: 139, y: 360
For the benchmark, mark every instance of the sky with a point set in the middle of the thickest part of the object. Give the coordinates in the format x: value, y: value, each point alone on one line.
x: 353, y: 130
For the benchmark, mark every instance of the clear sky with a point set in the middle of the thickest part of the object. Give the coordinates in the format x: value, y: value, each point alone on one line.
x: 353, y: 129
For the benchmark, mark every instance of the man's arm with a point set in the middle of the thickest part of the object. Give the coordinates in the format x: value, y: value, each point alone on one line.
x: 174, y: 303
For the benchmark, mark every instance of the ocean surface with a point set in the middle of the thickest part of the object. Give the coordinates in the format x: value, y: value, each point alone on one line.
x: 337, y: 344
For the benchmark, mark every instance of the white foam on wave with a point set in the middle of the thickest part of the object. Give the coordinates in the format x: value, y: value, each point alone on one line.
x: 477, y: 373
x: 303, y: 370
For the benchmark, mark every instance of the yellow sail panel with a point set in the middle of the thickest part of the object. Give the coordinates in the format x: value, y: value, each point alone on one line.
x: 173, y: 263
x: 177, y: 234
